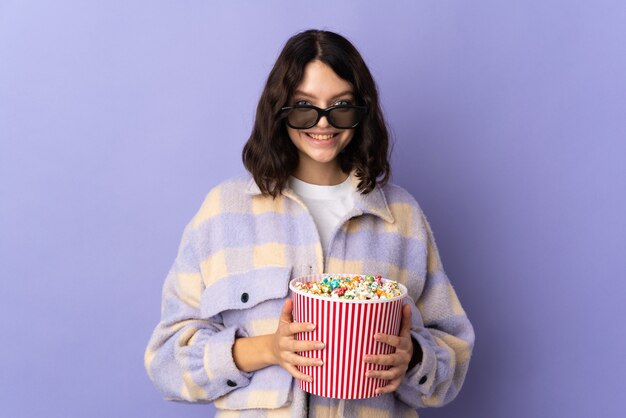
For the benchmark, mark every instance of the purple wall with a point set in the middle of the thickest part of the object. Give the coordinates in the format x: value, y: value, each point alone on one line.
x: 117, y: 117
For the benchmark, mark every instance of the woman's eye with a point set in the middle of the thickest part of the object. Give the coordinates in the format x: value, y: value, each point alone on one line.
x: 302, y: 102
x: 342, y: 103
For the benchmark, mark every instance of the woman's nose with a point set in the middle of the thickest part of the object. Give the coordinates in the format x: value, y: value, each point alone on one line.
x: 323, y: 122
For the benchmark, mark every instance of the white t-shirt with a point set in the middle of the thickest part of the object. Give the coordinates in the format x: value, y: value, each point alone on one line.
x: 327, y: 204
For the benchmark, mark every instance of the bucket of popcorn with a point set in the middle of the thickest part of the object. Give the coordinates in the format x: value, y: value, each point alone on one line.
x: 348, y: 310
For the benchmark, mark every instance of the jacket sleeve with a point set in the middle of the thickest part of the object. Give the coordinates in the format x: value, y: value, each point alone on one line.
x: 444, y: 333
x: 189, y: 357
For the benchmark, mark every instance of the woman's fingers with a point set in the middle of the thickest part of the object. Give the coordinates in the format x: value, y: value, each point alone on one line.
x: 405, y: 325
x: 400, y: 342
x: 383, y: 359
x: 285, y: 313
x: 389, y: 339
x: 286, y: 345
x: 297, y: 374
x: 391, y: 387
x: 394, y: 375
x: 286, y: 324
x: 390, y: 374
x: 298, y: 360
x: 399, y: 358
x: 297, y: 327
x: 291, y: 345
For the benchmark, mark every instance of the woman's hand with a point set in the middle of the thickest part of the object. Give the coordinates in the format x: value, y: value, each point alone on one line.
x: 284, y: 344
x: 399, y: 361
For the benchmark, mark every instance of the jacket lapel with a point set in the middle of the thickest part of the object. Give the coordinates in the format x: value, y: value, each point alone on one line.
x: 373, y: 203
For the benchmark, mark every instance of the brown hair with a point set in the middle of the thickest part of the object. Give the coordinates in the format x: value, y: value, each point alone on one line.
x: 270, y: 155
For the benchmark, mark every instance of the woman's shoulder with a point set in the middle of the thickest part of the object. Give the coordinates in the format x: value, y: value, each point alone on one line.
x: 235, y: 185
x: 406, y: 211
x: 238, y: 182
x: 397, y: 195
x: 231, y: 194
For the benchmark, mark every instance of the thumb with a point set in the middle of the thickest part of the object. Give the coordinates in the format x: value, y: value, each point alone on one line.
x: 406, y: 320
x: 285, y: 313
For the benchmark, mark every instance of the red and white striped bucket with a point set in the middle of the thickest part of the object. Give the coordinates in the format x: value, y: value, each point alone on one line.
x: 347, y: 328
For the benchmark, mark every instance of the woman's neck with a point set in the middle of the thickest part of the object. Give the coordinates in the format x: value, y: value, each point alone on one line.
x: 324, y: 174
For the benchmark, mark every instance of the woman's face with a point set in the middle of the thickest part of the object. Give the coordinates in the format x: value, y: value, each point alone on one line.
x: 319, y: 146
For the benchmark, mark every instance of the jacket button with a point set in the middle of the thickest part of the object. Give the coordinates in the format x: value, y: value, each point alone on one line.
x: 231, y: 383
x: 423, y: 380
x: 244, y: 297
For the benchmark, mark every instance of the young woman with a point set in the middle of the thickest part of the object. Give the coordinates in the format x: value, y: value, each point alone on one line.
x: 317, y: 200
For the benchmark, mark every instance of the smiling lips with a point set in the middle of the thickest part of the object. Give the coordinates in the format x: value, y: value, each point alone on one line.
x: 321, y: 137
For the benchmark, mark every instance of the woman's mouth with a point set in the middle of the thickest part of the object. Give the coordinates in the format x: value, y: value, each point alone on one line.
x: 319, y: 137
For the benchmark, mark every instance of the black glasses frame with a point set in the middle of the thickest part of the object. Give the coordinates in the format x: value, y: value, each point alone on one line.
x: 361, y: 110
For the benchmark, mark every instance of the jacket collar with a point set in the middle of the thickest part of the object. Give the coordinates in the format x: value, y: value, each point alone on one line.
x: 373, y: 203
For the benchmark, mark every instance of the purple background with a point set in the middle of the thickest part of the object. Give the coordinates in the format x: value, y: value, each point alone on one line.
x: 116, y: 118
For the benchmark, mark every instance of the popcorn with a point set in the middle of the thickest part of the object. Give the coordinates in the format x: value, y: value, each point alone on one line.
x: 357, y: 287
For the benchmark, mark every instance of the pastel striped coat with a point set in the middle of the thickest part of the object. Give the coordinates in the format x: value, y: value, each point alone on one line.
x: 230, y: 279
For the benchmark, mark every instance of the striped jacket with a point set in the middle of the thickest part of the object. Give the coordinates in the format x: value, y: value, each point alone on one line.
x: 230, y: 279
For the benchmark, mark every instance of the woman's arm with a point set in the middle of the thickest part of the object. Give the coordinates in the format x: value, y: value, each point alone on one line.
x: 254, y: 353
x: 189, y: 357
x: 444, y: 333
